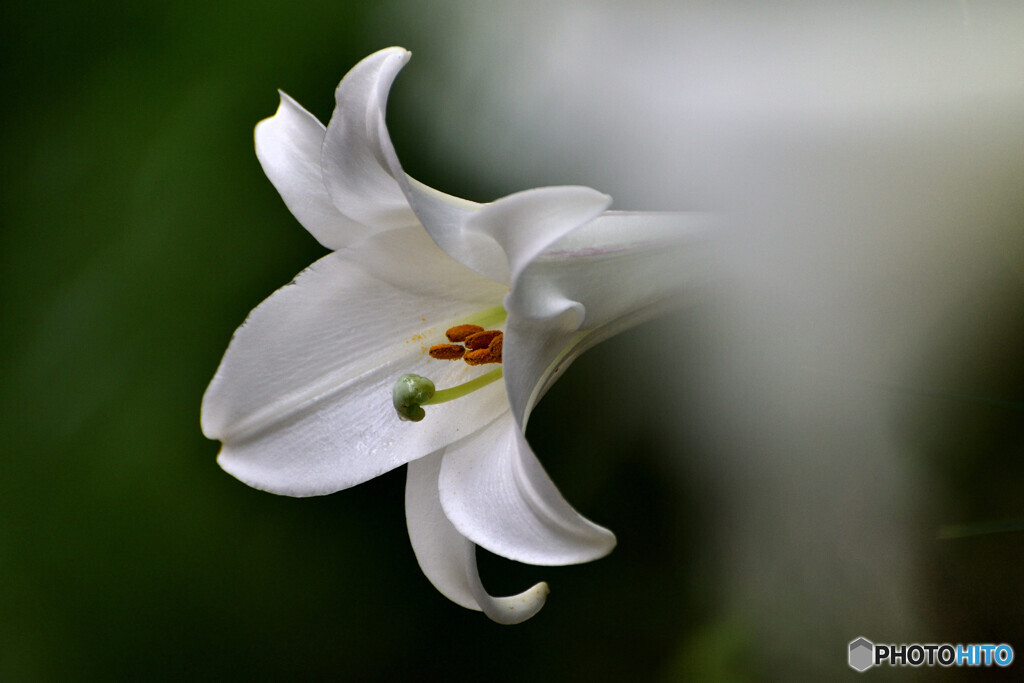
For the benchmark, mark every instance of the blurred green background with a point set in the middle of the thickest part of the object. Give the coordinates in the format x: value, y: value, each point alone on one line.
x: 136, y: 231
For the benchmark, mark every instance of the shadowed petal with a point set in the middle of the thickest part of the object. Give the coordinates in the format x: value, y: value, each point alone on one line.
x: 447, y: 558
x: 496, y: 494
x: 447, y: 220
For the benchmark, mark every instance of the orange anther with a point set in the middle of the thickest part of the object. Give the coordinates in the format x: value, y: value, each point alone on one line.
x: 480, y: 357
x: 462, y: 332
x: 481, y: 340
x: 494, y: 348
x: 446, y: 351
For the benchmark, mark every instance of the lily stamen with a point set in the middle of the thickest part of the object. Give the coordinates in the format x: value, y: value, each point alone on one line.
x: 446, y: 351
x: 481, y: 339
x: 490, y: 354
x: 461, y: 333
x: 481, y: 346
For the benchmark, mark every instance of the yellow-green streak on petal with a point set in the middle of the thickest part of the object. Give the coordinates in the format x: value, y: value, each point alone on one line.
x: 487, y: 318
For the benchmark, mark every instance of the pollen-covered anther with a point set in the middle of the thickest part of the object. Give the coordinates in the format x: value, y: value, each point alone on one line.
x: 460, y: 333
x: 480, y: 357
x: 481, y: 340
x: 446, y: 351
x: 494, y: 348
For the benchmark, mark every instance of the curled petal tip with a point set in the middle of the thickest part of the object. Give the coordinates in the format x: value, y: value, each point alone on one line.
x: 395, y: 50
x: 516, y: 609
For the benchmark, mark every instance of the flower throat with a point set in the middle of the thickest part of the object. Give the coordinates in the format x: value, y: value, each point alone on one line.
x: 469, y: 342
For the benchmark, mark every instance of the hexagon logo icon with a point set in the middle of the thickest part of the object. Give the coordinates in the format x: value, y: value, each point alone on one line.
x: 862, y: 654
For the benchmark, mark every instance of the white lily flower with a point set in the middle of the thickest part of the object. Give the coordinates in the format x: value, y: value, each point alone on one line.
x: 303, y: 399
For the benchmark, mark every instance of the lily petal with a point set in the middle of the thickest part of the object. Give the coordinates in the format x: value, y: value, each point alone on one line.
x: 447, y: 219
x: 355, y: 173
x: 361, y: 159
x: 288, y: 147
x: 447, y: 558
x: 302, y: 398
x: 523, y: 224
x: 611, y: 274
x: 497, y: 240
x: 495, y: 492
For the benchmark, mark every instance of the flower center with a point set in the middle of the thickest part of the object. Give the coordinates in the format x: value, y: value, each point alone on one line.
x: 467, y: 341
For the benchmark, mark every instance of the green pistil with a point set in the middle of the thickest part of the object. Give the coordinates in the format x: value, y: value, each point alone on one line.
x: 412, y: 391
